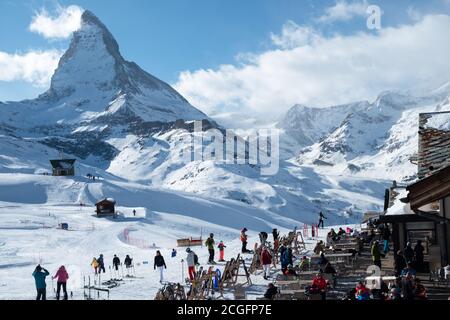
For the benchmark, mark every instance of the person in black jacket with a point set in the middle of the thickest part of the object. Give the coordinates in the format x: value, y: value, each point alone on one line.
x: 418, y: 251
x: 271, y: 291
x: 101, y: 264
x: 399, y: 263
x: 409, y: 253
x: 128, y: 261
x: 160, y: 264
x: 321, y: 217
x: 116, y: 262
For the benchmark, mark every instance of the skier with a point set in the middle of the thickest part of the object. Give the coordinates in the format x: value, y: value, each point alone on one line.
x: 321, y: 217
x: 221, y: 247
x: 101, y: 264
x: 190, y: 260
x: 161, y: 264
x: 210, y: 245
x: 266, y: 261
x: 94, y: 264
x: 39, y: 279
x: 418, y: 250
x: 128, y: 262
x: 62, y: 276
x: 116, y: 262
x: 174, y: 253
x: 134, y: 212
x: 244, y: 240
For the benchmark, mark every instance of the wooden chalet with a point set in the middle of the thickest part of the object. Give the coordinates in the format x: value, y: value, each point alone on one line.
x: 106, y: 207
x: 421, y: 211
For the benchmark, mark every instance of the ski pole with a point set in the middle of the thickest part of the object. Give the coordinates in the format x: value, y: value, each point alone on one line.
x: 110, y: 272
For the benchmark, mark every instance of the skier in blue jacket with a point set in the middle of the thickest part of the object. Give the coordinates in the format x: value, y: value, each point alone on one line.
x: 39, y: 275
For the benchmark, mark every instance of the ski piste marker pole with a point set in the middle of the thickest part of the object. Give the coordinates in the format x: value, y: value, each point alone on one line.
x: 182, y: 270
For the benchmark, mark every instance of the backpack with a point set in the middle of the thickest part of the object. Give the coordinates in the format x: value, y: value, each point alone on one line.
x: 195, y: 259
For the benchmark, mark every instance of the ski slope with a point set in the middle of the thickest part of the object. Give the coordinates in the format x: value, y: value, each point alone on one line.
x: 32, y: 206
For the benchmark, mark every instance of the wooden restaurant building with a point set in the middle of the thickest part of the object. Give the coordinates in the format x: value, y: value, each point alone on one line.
x: 421, y: 210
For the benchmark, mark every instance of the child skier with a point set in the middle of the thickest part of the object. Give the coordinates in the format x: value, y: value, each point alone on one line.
x: 101, y: 264
x: 94, y: 265
x: 244, y: 240
x: 221, y: 247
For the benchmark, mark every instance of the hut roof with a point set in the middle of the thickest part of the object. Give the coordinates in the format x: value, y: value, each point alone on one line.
x: 63, y: 163
x: 106, y: 200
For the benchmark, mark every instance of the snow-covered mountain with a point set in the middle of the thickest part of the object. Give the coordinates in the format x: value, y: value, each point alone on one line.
x: 95, y: 93
x: 124, y: 124
x: 302, y: 126
x: 375, y: 139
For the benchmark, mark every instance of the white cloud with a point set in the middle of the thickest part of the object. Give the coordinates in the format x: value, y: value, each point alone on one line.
x: 344, y: 11
x: 326, y: 70
x: 61, y: 26
x: 293, y: 35
x: 35, y: 67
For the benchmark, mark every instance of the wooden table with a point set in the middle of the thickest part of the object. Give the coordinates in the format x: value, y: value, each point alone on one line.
x: 335, y: 256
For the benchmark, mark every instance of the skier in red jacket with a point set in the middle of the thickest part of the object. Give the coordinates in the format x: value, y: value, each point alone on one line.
x: 266, y: 261
x: 221, y: 247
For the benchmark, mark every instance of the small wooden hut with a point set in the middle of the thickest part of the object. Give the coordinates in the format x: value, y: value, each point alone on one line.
x: 106, y: 207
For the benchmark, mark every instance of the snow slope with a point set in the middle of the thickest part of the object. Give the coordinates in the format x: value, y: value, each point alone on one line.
x: 29, y: 233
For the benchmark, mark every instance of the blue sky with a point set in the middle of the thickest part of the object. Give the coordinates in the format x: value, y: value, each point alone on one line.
x: 168, y: 37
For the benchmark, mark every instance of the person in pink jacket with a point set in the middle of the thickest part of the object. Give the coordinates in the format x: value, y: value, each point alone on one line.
x: 62, y: 276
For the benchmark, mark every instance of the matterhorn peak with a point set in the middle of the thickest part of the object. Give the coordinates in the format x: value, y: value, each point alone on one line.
x: 94, y: 79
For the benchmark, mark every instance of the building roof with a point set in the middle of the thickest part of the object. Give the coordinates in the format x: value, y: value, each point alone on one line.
x: 398, y: 207
x: 400, y: 211
x: 63, y: 163
x: 106, y: 200
x: 430, y: 189
x: 434, y: 143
